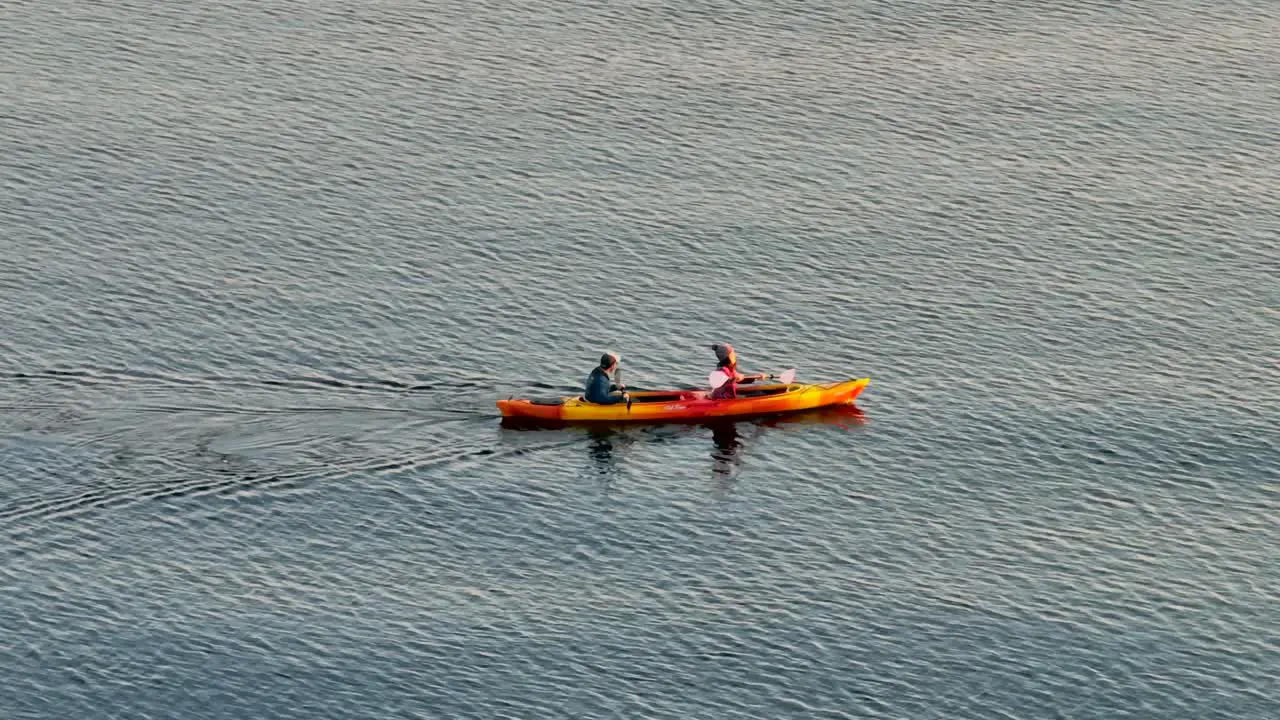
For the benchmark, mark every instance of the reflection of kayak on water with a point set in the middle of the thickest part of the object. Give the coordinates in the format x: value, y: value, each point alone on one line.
x: 730, y: 436
x: 688, y: 405
x: 845, y: 415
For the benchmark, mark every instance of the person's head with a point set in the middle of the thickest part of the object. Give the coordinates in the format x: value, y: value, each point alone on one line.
x: 725, y: 355
x: 608, y: 362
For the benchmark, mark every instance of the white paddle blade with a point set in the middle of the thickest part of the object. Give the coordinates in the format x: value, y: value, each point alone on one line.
x: 717, y: 379
x: 787, y: 377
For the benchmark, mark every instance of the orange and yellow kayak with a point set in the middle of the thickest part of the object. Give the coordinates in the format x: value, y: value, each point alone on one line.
x: 689, y: 405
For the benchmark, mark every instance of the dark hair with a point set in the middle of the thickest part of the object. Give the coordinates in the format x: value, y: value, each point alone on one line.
x: 607, y: 361
x: 723, y: 363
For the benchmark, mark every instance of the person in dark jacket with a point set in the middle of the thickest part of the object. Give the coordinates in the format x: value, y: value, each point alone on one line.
x: 600, y: 390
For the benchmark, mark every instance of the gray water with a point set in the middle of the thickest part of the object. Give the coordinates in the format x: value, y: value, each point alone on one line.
x: 267, y: 266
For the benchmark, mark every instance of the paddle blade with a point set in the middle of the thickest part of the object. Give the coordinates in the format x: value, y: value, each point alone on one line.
x: 787, y: 377
x: 717, y: 379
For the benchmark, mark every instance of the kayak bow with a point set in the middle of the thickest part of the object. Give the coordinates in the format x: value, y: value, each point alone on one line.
x: 689, y: 405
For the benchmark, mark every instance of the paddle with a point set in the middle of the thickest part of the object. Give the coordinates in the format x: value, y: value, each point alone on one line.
x: 718, y: 377
x: 622, y: 387
x: 786, y: 378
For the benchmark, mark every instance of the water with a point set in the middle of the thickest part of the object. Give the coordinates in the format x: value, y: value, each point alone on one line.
x: 267, y: 266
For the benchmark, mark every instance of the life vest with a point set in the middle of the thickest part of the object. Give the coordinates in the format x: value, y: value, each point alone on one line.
x: 724, y: 383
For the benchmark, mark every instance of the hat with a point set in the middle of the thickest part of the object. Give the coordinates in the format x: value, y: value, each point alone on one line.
x: 723, y: 351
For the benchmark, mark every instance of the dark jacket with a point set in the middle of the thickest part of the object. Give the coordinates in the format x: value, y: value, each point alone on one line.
x: 599, y: 388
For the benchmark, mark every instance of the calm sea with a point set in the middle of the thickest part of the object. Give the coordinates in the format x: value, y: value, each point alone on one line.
x: 265, y: 266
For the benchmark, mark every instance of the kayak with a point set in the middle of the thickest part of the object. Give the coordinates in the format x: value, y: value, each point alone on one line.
x: 689, y: 405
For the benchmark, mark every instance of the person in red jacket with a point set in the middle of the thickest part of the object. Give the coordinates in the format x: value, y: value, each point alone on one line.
x: 725, y: 378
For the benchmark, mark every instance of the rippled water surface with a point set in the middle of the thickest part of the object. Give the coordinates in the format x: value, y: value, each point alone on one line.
x: 267, y: 266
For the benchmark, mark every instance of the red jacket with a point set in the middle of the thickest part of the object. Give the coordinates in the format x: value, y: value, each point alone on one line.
x: 730, y: 387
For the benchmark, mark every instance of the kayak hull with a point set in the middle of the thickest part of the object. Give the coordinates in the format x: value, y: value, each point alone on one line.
x: 689, y: 405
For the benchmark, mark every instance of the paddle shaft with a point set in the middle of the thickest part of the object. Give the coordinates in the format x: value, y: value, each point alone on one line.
x: 622, y: 387
x: 786, y: 377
